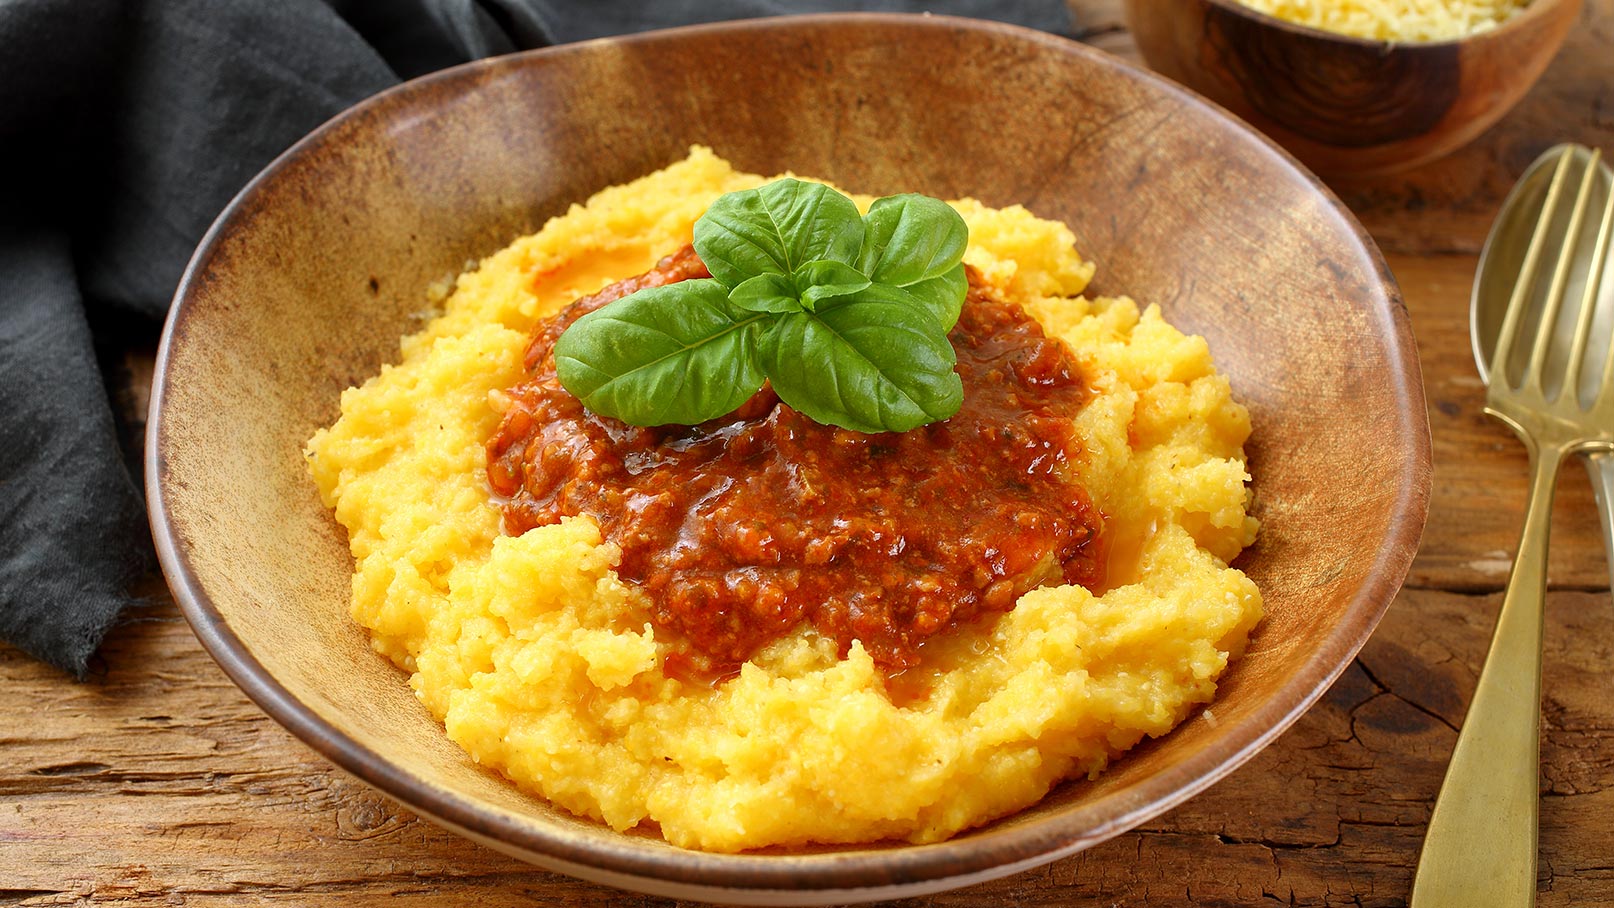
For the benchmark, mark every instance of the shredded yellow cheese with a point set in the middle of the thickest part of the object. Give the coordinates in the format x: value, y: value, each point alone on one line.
x: 1394, y: 20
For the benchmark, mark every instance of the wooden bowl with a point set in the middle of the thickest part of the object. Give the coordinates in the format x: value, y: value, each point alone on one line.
x: 1348, y: 105
x: 306, y: 282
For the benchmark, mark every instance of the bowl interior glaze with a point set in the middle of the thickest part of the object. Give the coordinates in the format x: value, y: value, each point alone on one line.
x: 308, y: 280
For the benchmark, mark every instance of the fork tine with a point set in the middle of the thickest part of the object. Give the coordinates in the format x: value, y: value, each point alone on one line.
x: 1588, y: 299
x: 1527, y: 272
x: 1594, y: 285
x: 1567, y: 250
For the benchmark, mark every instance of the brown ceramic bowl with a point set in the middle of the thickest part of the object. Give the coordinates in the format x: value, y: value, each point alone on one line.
x: 309, y: 278
x: 1347, y: 105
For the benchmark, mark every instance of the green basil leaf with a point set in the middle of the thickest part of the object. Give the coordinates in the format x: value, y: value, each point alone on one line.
x: 826, y: 279
x: 911, y: 238
x: 847, y: 315
x: 776, y: 229
x: 767, y: 293
x: 942, y: 296
x: 679, y: 353
x: 869, y: 364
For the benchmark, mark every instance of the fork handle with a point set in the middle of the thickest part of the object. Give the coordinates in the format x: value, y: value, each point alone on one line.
x: 1481, y: 846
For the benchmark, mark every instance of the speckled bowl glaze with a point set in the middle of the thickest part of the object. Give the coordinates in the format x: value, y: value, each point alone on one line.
x: 306, y: 282
x: 1345, y: 105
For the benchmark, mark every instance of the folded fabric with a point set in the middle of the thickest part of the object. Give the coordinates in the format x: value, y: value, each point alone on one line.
x: 125, y: 127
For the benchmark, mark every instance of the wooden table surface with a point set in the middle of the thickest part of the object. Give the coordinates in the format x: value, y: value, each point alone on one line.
x: 159, y: 783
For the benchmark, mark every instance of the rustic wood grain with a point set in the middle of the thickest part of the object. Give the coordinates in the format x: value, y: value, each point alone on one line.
x: 158, y: 783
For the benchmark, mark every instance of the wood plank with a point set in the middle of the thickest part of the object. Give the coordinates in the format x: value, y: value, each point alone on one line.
x: 158, y: 782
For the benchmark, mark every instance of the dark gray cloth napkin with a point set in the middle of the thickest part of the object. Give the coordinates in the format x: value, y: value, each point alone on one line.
x: 125, y: 127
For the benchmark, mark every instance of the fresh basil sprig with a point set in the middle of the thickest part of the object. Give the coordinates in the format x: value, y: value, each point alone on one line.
x: 847, y: 316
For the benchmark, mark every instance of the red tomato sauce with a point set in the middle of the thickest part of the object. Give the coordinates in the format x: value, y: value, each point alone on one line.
x: 741, y: 528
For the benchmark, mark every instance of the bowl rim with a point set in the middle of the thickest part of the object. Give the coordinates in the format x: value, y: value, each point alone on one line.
x: 970, y: 856
x: 1532, y: 10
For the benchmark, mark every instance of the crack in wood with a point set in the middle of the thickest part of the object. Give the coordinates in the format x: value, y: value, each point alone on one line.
x: 71, y: 769
x: 1387, y: 691
x: 17, y: 896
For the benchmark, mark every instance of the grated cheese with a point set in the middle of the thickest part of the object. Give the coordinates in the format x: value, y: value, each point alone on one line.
x: 1394, y: 20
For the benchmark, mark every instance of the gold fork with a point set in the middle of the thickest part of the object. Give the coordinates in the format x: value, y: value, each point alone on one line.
x: 1480, y: 849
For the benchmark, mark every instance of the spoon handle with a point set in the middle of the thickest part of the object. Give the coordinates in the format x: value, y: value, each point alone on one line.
x: 1481, y: 847
x: 1600, y: 467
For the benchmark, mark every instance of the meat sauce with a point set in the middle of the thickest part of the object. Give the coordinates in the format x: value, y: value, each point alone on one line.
x: 743, y: 527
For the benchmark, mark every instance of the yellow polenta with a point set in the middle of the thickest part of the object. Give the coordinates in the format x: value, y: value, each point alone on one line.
x: 542, y: 664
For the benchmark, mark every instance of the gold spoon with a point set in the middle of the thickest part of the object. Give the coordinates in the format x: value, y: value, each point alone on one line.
x: 1481, y: 846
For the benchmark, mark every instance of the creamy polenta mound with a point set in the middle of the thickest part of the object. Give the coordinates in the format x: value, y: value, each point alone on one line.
x: 543, y: 665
